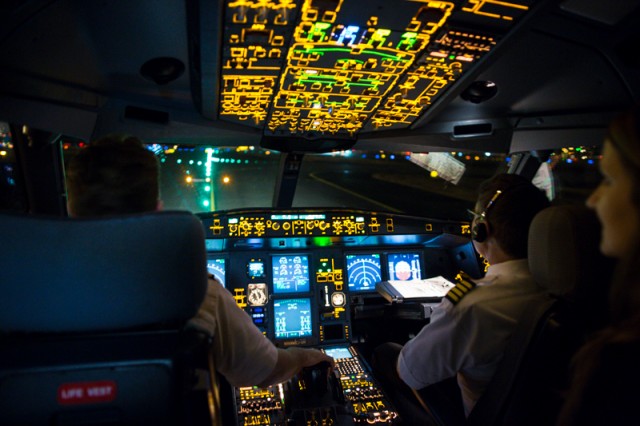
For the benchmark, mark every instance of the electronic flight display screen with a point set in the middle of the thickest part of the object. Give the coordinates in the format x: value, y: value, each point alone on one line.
x: 255, y: 268
x: 363, y: 271
x: 341, y: 352
x: 292, y: 318
x: 217, y: 268
x: 404, y: 266
x: 290, y: 274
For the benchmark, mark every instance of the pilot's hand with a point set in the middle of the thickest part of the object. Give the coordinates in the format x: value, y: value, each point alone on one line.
x: 291, y: 361
x: 315, y: 356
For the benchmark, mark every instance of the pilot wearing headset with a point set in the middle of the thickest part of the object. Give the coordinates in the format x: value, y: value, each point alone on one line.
x: 469, y: 329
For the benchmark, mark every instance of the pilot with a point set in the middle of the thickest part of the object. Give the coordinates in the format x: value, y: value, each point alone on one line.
x: 605, y: 388
x: 469, y: 329
x: 117, y: 175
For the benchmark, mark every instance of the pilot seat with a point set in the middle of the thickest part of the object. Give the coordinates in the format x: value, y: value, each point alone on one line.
x: 92, y: 321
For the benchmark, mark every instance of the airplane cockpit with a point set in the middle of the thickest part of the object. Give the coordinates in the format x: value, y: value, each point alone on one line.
x: 312, y: 278
x: 330, y: 149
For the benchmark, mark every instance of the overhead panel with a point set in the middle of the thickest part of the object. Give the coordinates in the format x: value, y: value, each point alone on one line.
x: 338, y: 68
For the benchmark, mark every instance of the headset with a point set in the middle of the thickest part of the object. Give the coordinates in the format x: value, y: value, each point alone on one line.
x: 480, y: 230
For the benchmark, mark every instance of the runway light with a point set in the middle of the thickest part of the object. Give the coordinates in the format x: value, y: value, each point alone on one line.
x: 189, y: 179
x: 226, y: 179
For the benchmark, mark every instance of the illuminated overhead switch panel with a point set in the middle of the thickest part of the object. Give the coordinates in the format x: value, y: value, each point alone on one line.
x: 255, y: 44
x: 336, y: 68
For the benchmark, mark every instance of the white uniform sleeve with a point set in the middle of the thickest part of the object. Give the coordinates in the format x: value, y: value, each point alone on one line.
x: 438, y: 351
x: 241, y: 353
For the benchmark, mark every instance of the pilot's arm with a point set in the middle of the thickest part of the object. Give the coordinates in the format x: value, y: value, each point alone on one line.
x: 241, y: 353
x: 440, y: 349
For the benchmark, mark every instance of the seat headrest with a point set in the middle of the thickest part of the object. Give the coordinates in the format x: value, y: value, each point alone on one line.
x: 564, y: 248
x: 68, y: 275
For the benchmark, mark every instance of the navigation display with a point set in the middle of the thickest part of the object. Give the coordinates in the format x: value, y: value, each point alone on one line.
x: 217, y: 267
x: 363, y: 271
x: 290, y: 274
x: 404, y: 266
x: 292, y: 318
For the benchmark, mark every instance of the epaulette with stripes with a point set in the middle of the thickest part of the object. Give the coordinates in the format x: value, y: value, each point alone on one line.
x: 464, y: 286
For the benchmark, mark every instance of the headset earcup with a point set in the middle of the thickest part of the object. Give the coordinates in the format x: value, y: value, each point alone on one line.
x: 479, y: 232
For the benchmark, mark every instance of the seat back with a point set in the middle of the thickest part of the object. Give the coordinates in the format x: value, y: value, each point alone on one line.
x: 564, y: 258
x: 91, y: 318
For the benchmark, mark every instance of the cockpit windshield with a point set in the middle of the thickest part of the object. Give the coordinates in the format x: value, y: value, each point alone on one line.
x: 439, y: 185
x: 442, y: 185
x: 206, y: 178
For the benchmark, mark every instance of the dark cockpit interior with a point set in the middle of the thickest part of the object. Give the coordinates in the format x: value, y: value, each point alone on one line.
x: 320, y: 75
x: 244, y: 83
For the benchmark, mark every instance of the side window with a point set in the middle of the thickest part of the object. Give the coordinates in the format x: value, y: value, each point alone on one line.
x: 12, y: 192
x: 571, y: 174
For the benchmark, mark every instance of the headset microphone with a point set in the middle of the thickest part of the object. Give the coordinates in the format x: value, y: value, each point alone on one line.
x: 480, y: 230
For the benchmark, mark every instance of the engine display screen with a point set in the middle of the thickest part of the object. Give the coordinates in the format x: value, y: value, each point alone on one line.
x: 292, y: 318
x: 290, y: 274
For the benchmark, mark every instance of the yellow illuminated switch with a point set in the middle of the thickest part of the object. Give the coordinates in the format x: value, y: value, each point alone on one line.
x: 337, y: 78
x: 390, y: 227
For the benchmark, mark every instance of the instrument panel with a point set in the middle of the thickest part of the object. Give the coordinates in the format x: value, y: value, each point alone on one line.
x: 307, y: 277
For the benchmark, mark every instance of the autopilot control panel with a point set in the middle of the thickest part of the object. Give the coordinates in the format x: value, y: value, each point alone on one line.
x: 307, y: 277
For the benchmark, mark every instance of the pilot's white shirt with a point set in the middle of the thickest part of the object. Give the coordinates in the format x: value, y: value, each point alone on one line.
x: 468, y: 339
x: 241, y: 353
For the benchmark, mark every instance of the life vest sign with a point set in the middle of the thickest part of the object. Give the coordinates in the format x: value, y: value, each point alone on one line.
x: 87, y: 392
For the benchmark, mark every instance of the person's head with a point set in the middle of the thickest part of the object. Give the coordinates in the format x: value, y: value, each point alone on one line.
x: 113, y: 175
x: 617, y: 199
x: 506, y: 205
x: 616, y: 202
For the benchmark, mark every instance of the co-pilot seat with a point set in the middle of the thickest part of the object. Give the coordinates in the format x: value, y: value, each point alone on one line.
x: 564, y: 258
x: 528, y: 386
x: 92, y: 315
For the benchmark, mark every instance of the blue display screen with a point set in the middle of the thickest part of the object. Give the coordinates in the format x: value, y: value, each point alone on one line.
x: 292, y: 318
x: 363, y: 271
x: 216, y: 267
x: 404, y: 266
x: 290, y: 274
x: 255, y: 268
x: 338, y: 353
